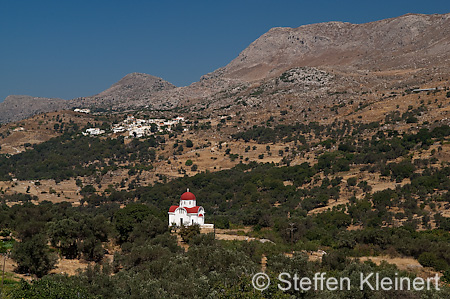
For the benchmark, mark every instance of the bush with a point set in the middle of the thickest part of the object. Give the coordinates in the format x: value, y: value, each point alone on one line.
x: 222, y: 222
x: 446, y: 276
x: 401, y: 170
x: 57, y: 286
x: 189, y: 162
x: 429, y: 259
x: 189, y: 232
x: 87, y: 190
x: 351, y: 181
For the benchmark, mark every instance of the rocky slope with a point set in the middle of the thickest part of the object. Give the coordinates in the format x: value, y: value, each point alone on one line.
x: 17, y: 107
x: 402, y: 52
x: 410, y: 41
x: 132, y: 87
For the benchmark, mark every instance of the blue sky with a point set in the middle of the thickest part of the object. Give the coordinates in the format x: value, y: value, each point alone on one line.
x: 69, y: 49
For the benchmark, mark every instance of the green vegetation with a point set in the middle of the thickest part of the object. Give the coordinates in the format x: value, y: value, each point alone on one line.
x: 33, y: 256
x: 277, y: 202
x: 150, y: 260
x: 69, y: 156
x: 189, y: 143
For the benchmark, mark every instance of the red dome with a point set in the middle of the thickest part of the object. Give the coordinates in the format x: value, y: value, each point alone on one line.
x: 172, y: 209
x: 187, y: 196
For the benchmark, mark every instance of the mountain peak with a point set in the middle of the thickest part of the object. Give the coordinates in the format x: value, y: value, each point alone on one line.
x: 143, y: 80
x: 133, y: 86
x: 408, y: 41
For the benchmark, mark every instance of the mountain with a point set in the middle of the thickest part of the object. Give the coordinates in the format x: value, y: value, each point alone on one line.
x: 409, y: 50
x: 410, y: 41
x: 402, y: 52
x: 17, y: 107
x: 134, y: 86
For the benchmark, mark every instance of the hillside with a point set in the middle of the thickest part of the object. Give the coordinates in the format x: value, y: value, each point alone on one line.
x: 17, y: 107
x: 132, y: 87
x: 409, y: 42
x: 357, y: 187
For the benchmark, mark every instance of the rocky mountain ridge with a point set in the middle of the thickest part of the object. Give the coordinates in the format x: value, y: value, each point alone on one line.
x: 408, y: 50
x: 409, y: 41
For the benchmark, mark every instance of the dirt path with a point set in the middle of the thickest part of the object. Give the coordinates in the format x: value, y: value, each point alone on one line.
x: 64, y: 266
x: 403, y: 263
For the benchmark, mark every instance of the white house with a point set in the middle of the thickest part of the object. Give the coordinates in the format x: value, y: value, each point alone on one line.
x: 187, y: 213
x: 93, y: 131
x: 118, y: 129
x: 82, y: 110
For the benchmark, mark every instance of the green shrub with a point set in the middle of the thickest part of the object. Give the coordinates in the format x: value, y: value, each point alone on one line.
x: 189, y: 232
x: 351, y: 181
x: 429, y: 259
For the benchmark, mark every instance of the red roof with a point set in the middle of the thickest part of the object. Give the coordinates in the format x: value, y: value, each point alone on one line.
x: 172, y: 209
x: 192, y: 210
x: 187, y: 196
x: 201, y: 215
x: 188, y: 210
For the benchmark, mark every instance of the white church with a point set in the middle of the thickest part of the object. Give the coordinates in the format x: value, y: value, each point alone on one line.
x: 187, y: 213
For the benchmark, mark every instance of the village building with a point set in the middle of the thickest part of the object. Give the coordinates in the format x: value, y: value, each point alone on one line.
x: 82, y: 110
x: 119, y: 129
x: 187, y: 212
x: 93, y: 131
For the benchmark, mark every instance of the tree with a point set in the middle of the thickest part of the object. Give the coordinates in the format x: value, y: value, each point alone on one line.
x: 79, y: 183
x: 52, y: 287
x: 87, y: 190
x: 189, y: 143
x: 429, y: 259
x: 148, y: 229
x: 33, y: 256
x: 92, y: 249
x: 64, y: 235
x: 351, y: 181
x: 153, y: 128
x: 188, y: 232
x: 126, y: 219
x: 188, y: 162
